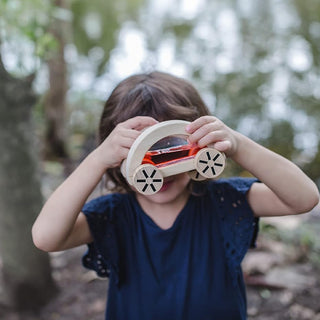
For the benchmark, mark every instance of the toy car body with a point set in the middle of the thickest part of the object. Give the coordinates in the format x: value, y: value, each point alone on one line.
x: 163, y: 150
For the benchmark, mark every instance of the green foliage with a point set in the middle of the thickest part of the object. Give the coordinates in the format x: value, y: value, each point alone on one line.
x: 281, y: 139
x: 96, y: 25
x: 27, y: 22
x: 238, y: 93
x: 180, y: 29
x: 313, y: 167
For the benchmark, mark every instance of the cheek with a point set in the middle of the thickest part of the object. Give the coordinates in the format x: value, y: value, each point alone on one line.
x: 182, y: 180
x: 184, y: 176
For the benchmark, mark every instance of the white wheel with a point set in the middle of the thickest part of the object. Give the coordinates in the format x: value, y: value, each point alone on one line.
x: 196, y: 176
x: 210, y: 162
x: 147, y: 179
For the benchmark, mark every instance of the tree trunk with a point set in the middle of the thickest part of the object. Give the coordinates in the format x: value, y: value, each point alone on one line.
x: 26, y: 272
x: 55, y: 102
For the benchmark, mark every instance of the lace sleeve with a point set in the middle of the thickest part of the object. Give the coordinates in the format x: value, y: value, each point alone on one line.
x: 102, y: 254
x: 239, y: 227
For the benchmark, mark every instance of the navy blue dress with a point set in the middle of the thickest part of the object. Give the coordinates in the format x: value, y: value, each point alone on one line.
x: 190, y: 271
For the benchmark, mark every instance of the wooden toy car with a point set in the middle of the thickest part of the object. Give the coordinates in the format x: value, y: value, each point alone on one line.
x: 163, y: 150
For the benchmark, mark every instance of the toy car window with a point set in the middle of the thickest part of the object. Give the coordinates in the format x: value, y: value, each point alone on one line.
x: 170, y: 149
x: 169, y: 142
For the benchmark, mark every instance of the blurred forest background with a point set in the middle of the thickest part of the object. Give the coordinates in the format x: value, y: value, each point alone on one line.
x: 256, y: 64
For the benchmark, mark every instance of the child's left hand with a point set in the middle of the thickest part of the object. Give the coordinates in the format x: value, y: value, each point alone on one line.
x: 284, y: 190
x: 209, y: 130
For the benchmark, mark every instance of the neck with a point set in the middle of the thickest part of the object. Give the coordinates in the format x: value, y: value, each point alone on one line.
x: 163, y: 214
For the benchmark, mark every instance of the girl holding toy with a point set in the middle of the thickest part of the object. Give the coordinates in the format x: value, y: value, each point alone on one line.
x: 174, y: 254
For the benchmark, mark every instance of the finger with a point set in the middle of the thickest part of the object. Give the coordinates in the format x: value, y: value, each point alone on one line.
x: 130, y: 133
x: 126, y: 142
x: 139, y: 122
x: 203, y: 131
x: 211, y: 138
x: 200, y: 122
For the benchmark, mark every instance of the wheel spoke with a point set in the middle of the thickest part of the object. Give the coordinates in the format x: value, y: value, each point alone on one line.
x: 145, y: 187
x: 205, y: 169
x: 153, y: 173
x: 216, y: 157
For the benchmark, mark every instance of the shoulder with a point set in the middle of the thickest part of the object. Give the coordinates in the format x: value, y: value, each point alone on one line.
x: 236, y: 185
x: 232, y: 193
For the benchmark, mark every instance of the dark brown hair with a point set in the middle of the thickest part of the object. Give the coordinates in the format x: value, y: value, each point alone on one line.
x: 158, y: 95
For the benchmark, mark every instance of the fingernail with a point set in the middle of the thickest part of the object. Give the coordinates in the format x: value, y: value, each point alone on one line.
x: 188, y: 128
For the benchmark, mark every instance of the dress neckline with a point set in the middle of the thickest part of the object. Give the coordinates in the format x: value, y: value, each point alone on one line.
x: 153, y: 224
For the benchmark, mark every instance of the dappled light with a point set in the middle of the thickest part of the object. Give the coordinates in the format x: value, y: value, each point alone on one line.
x: 255, y: 63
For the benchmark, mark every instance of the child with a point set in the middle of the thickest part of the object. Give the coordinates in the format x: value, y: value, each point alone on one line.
x: 175, y: 254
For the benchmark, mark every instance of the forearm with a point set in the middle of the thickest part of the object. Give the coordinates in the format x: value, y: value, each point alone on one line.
x: 292, y: 187
x: 59, y: 214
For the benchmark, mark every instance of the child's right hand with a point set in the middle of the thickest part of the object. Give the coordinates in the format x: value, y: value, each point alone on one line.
x: 114, y: 149
x: 59, y: 225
